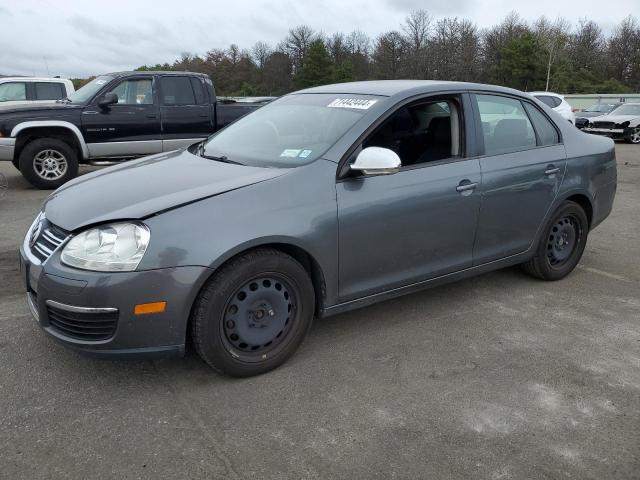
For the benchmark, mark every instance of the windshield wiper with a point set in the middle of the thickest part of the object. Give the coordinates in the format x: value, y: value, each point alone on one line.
x: 217, y: 158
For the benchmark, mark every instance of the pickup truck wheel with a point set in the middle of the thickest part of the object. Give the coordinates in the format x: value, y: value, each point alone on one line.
x: 634, y: 136
x: 48, y: 163
x: 253, y: 314
x: 561, y: 245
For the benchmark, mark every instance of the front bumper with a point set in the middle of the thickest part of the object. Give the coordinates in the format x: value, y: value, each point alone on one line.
x: 615, y: 133
x: 7, y: 148
x: 67, y: 303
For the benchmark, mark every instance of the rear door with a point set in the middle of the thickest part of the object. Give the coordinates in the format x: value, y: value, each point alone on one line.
x: 185, y: 111
x: 129, y: 128
x: 522, y: 169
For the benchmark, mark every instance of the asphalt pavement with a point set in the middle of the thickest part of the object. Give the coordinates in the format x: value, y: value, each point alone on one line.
x: 497, y: 377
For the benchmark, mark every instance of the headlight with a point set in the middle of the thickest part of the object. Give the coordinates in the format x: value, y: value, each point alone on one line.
x: 117, y: 247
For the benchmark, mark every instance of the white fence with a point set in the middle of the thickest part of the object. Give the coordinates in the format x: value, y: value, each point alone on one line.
x: 580, y: 101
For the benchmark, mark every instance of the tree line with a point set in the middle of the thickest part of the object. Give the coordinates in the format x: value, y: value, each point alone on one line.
x: 542, y: 55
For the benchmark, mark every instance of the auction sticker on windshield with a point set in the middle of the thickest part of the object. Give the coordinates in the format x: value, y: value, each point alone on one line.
x: 358, y: 103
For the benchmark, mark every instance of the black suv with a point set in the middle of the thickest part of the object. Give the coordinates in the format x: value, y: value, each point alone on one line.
x: 114, y: 117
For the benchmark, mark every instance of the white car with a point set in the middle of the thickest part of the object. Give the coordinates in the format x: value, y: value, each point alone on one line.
x: 15, y: 90
x: 558, y: 103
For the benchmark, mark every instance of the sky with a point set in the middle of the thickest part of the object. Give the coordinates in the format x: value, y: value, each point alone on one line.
x: 73, y: 38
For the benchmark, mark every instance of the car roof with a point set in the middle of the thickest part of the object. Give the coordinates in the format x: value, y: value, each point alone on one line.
x: 33, y: 79
x: 390, y: 88
x: 551, y: 94
x: 153, y: 72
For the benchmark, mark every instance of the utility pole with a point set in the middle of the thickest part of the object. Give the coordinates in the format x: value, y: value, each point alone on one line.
x: 46, y: 65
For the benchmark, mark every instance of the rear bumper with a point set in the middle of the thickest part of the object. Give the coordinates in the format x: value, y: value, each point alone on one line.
x: 7, y: 148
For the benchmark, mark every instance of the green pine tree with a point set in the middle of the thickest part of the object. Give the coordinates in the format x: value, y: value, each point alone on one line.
x: 316, y: 69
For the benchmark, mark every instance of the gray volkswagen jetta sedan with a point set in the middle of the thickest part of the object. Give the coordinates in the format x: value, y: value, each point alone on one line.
x: 325, y: 200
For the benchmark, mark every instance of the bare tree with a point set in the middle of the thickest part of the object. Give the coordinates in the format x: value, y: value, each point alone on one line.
x: 553, y: 37
x: 359, y: 43
x: 297, y: 44
x: 260, y: 53
x: 416, y: 29
x: 388, y: 55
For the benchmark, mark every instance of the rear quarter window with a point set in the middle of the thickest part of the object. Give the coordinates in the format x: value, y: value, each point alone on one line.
x: 49, y: 91
x: 547, y: 133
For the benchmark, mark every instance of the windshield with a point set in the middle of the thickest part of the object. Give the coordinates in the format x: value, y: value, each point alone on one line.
x: 628, y: 110
x: 291, y: 131
x: 601, y: 107
x: 87, y: 92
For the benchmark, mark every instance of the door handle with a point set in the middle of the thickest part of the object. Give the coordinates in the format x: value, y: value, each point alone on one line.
x: 551, y: 170
x: 204, y: 115
x: 466, y: 186
x: 151, y: 116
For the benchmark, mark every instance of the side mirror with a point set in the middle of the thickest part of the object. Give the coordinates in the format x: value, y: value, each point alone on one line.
x: 108, y: 99
x: 377, y: 161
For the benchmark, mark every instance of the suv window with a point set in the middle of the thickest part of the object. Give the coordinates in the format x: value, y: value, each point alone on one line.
x: 505, y: 125
x: 49, y: 91
x: 420, y: 133
x: 177, y: 91
x: 137, y: 91
x: 13, y: 91
x: 553, y: 102
x: 547, y: 133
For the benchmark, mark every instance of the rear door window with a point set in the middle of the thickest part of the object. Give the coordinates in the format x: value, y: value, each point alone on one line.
x: 49, y: 91
x: 13, y: 91
x: 198, y: 90
x: 177, y: 91
x: 505, y: 125
x: 547, y: 133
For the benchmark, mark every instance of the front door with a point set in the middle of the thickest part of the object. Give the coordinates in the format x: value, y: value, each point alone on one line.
x: 128, y: 128
x: 186, y: 112
x: 419, y: 223
x: 522, y: 170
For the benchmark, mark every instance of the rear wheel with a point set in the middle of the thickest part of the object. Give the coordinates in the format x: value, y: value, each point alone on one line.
x: 562, y: 243
x: 47, y: 163
x: 634, y: 136
x: 253, y: 314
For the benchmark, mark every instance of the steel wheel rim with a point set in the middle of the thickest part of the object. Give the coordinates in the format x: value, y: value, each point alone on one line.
x: 50, y: 164
x: 635, y: 136
x: 564, y: 237
x: 259, y: 316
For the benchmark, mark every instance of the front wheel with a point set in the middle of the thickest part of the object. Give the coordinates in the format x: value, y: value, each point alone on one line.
x: 634, y: 136
x: 47, y: 163
x: 253, y: 314
x: 561, y: 245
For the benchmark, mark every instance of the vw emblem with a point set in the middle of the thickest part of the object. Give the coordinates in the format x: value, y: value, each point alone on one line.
x: 35, y: 233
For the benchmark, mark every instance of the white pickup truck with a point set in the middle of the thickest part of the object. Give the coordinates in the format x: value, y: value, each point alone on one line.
x: 15, y: 90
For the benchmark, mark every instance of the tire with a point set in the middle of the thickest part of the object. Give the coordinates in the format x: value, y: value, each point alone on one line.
x: 47, y: 163
x: 634, y: 136
x: 561, y: 245
x: 253, y: 314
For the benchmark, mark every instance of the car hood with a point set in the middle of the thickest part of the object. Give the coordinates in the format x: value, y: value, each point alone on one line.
x: 147, y: 186
x: 37, y: 107
x: 589, y: 114
x: 617, y: 118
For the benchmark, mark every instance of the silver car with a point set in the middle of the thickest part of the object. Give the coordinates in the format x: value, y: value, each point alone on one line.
x: 325, y: 200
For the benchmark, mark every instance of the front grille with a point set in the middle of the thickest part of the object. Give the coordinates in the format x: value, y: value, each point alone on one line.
x: 604, y: 124
x: 91, y: 326
x: 47, y: 239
